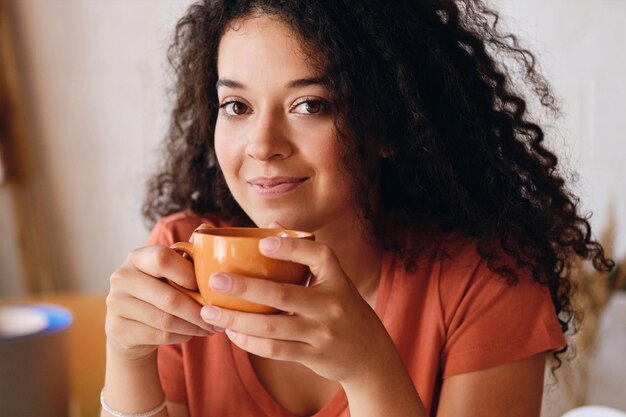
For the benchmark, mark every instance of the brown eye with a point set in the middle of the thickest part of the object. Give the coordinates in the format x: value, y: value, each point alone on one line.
x: 310, y: 107
x: 313, y: 106
x: 234, y: 108
x: 239, y: 108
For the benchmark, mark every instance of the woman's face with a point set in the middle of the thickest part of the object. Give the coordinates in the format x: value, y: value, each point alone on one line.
x: 275, y: 138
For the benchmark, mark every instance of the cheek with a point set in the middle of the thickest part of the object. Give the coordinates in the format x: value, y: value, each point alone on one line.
x: 220, y: 153
x: 327, y: 157
x: 319, y: 143
x: 224, y: 151
x: 336, y: 174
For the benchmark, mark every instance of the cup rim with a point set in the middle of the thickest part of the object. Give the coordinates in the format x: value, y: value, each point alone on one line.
x: 251, y: 232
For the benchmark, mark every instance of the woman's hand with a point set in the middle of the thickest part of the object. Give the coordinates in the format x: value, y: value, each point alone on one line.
x: 330, y: 328
x: 143, y: 311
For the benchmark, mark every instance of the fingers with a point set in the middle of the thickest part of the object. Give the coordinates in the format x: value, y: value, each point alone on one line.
x: 270, y: 348
x: 157, y: 319
x: 286, y: 297
x: 134, y: 333
x: 320, y: 259
x: 145, y: 311
x: 160, y: 262
x: 273, y: 326
x: 162, y: 296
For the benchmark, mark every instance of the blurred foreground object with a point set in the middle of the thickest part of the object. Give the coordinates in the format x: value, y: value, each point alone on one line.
x: 34, y: 360
x: 86, y: 344
x: 594, y: 411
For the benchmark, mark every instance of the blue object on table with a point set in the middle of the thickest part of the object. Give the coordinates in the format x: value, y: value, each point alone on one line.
x: 20, y: 321
x: 34, y: 360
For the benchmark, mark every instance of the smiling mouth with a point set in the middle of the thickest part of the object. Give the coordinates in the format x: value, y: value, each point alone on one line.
x: 276, y: 186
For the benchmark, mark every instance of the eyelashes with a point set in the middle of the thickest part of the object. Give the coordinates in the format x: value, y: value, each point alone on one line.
x: 234, y: 108
x: 308, y: 106
x: 311, y: 106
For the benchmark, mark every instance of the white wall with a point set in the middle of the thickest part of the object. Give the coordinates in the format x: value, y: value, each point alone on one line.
x: 97, y: 72
x: 582, y: 49
x: 98, y: 85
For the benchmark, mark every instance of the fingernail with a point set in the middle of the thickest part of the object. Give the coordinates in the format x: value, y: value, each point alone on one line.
x: 269, y: 244
x: 210, y: 313
x: 232, y: 335
x: 220, y: 282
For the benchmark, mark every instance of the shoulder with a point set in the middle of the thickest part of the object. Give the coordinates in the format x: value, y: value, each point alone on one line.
x: 456, y: 252
x: 467, y: 289
x: 452, y: 257
x: 179, y: 226
x: 488, y: 320
x: 481, y: 319
x: 462, y: 267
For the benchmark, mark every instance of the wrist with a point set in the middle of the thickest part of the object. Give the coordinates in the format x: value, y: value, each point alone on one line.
x: 134, y: 357
x: 117, y: 413
x: 384, y: 388
x: 383, y: 361
x: 132, y: 382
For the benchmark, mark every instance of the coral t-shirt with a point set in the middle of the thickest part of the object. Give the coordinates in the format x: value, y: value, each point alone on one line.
x: 450, y: 316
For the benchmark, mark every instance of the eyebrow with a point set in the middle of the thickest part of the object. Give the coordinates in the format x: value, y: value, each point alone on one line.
x: 302, y: 82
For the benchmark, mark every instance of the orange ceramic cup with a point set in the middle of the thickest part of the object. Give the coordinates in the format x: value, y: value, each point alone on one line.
x: 236, y: 250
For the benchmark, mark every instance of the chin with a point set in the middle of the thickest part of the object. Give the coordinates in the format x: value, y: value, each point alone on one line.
x: 288, y: 221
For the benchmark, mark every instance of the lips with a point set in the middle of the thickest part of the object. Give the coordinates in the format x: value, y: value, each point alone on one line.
x: 276, y: 186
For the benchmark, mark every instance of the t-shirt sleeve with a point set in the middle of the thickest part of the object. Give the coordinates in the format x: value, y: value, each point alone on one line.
x: 178, y: 228
x: 491, y: 323
x: 160, y: 235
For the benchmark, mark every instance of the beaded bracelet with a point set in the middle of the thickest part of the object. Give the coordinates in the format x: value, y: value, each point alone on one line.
x: 116, y: 413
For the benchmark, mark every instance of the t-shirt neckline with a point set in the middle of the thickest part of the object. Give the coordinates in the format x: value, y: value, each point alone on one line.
x: 266, y: 403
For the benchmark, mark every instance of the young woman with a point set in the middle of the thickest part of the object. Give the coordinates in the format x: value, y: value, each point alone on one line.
x: 443, y: 229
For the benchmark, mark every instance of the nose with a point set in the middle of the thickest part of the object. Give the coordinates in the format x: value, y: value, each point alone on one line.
x: 268, y: 138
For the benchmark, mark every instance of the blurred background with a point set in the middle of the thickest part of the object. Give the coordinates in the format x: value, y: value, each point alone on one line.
x: 84, y: 105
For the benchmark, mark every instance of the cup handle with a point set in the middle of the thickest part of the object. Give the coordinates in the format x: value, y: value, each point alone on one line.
x: 187, y: 248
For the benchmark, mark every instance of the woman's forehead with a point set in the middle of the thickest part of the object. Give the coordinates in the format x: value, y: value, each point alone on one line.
x: 265, y: 44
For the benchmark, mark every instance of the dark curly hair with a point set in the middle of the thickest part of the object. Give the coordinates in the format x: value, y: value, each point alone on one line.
x: 432, y: 83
